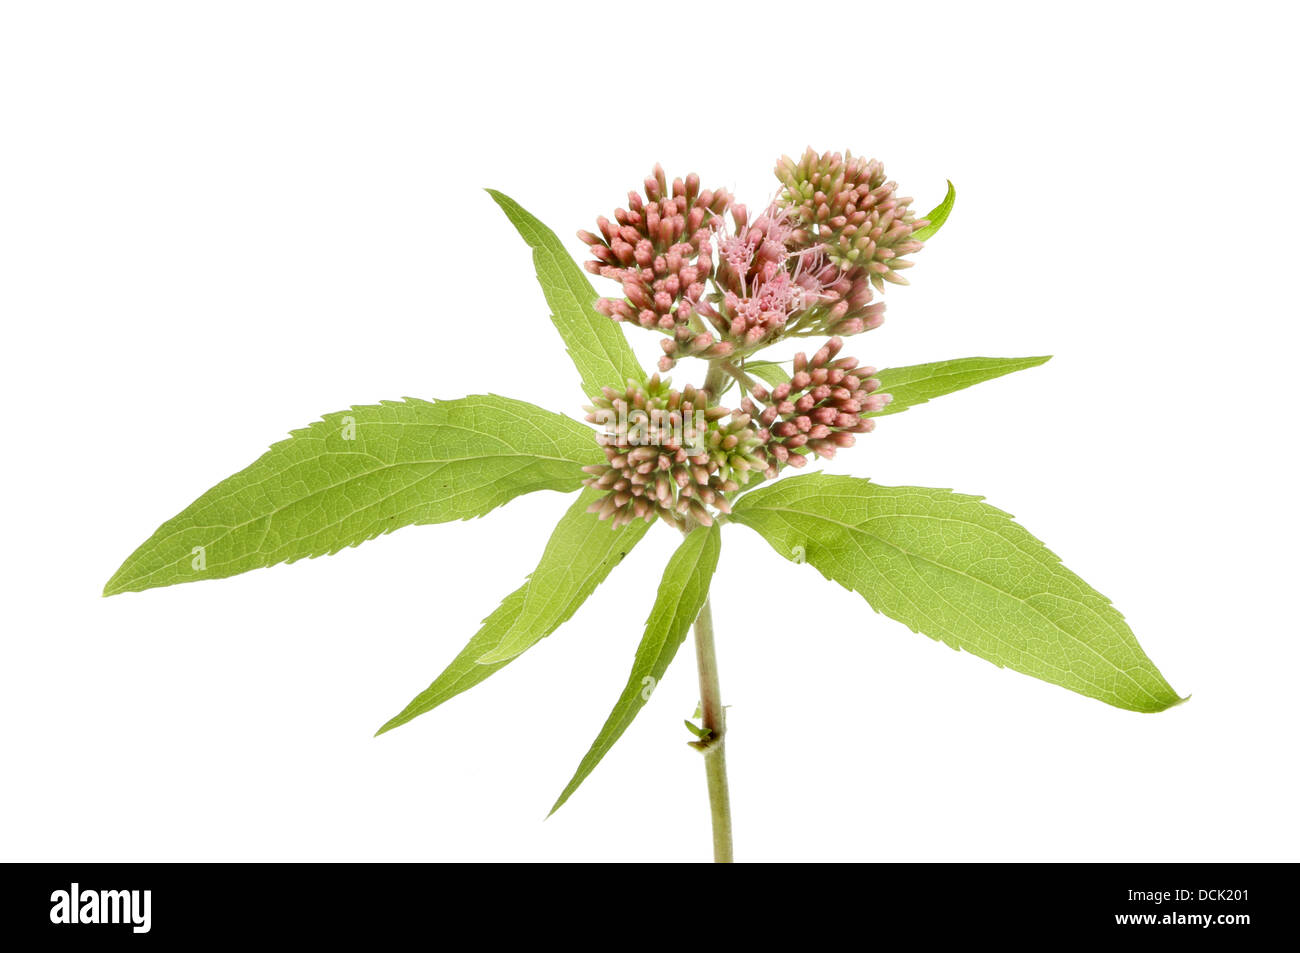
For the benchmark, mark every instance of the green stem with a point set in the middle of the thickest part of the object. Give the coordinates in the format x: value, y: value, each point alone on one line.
x: 715, y: 381
x: 714, y: 750
x: 739, y: 374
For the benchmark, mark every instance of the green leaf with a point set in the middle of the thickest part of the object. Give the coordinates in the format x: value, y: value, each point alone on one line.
x: 919, y: 383
x: 702, y: 733
x: 682, y: 592
x: 562, y: 571
x: 959, y: 570
x: 361, y: 472
x: 937, y: 216
x: 595, y: 343
x: 580, y: 554
x: 769, y: 372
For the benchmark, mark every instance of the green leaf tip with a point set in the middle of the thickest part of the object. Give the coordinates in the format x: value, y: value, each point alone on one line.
x: 917, y: 384
x: 937, y: 215
x: 682, y: 592
x: 702, y: 733
x: 962, y: 572
x: 360, y: 473
x: 596, y: 344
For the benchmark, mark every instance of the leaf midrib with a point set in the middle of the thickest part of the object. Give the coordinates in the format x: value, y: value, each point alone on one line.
x: 270, y: 514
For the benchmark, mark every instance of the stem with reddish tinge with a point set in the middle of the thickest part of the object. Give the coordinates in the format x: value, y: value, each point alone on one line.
x: 713, y: 747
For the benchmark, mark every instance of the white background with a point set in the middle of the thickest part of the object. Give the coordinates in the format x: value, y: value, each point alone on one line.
x: 222, y: 220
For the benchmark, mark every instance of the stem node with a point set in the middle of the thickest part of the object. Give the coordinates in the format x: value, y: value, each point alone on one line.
x: 713, y: 718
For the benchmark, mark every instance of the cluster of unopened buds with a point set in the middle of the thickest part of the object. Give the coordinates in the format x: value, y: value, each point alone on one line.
x: 719, y: 284
x: 669, y: 453
x: 819, y: 409
x: 661, y: 251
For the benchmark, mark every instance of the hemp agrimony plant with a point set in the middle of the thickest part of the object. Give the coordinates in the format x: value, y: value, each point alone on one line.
x: 719, y: 283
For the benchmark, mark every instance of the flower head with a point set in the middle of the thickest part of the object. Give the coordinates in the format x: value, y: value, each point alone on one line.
x: 669, y: 454
x: 820, y: 408
x: 766, y: 281
x: 845, y: 204
x: 660, y: 250
x: 806, y: 265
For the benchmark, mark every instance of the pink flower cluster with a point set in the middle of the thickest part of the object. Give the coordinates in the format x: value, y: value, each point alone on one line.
x: 819, y: 409
x: 806, y: 265
x: 660, y: 250
x: 720, y: 284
